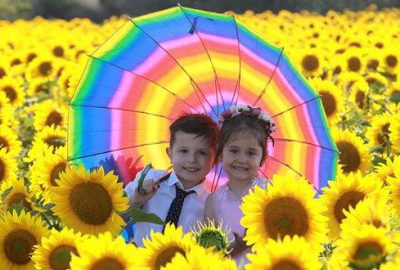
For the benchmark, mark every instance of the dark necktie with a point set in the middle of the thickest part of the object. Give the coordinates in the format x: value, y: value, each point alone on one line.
x: 176, y: 206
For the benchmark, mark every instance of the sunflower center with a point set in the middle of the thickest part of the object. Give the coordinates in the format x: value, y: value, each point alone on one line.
x: 55, y: 141
x: 2, y: 73
x: 285, y: 216
x: 18, y: 246
x: 18, y: 198
x: 91, y: 203
x: 367, y: 250
x: 360, y: 98
x: 377, y: 223
x: 2, y: 170
x: 348, y: 157
x: 310, y: 63
x: 329, y: 103
x: 354, y: 64
x: 54, y: 118
x: 337, y: 70
x: 3, y: 143
x: 379, y: 45
x: 349, y: 198
x: 45, y: 68
x: 30, y: 57
x: 373, y: 64
x: 60, y: 257
x: 166, y: 256
x: 107, y: 264
x: 286, y: 265
x: 42, y: 88
x: 58, y: 51
x: 16, y: 62
x: 10, y: 92
x: 382, y: 137
x: 56, y: 172
x: 391, y: 61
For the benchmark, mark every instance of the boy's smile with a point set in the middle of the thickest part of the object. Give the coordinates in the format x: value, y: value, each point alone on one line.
x: 192, y: 158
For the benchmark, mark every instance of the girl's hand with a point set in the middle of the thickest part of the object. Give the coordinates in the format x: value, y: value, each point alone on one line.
x: 150, y: 187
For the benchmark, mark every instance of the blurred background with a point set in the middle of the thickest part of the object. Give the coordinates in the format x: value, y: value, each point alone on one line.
x: 99, y: 10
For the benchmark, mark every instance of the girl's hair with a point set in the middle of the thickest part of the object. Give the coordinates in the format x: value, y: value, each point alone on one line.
x: 247, y: 124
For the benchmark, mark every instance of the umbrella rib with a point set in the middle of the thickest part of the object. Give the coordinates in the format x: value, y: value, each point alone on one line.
x: 270, y: 78
x: 295, y: 106
x: 217, y: 86
x: 120, y: 109
x: 237, y: 86
x: 308, y: 143
x: 215, y: 181
x: 176, y: 61
x: 146, y: 79
x: 290, y: 167
x: 119, y: 149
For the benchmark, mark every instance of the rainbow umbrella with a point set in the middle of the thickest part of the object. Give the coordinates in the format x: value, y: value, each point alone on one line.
x: 179, y: 60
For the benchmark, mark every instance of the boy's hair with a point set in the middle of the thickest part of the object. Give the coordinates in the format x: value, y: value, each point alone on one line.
x: 198, y: 124
x: 245, y: 124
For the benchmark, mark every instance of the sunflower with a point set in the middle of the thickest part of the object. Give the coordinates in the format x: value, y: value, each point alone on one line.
x: 345, y: 192
x: 394, y: 188
x: 8, y: 167
x: 364, y: 248
x: 9, y: 141
x: 373, y: 59
x: 50, y: 113
x: 46, y: 170
x: 391, y: 59
x: 198, y: 258
x: 287, y: 207
x: 19, y: 194
x: 290, y: 253
x: 19, y: 233
x: 44, y: 65
x: 378, y: 133
x: 353, y: 153
x: 88, y: 201
x: 331, y: 98
x: 376, y: 79
x: 105, y: 252
x: 311, y: 62
x: 39, y: 85
x: 373, y: 211
x: 56, y: 250
x: 394, y: 130
x: 353, y: 60
x: 49, y: 138
x: 208, y: 235
x: 347, y: 79
x: 387, y: 169
x: 161, y: 248
x: 13, y: 90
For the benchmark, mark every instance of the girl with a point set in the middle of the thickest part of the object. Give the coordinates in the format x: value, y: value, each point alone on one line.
x: 242, y: 151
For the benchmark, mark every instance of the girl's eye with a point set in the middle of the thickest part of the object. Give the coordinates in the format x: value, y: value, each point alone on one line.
x: 234, y: 151
x: 203, y: 153
x: 183, y: 151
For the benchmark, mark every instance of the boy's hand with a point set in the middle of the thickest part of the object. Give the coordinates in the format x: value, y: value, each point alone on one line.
x: 150, y: 187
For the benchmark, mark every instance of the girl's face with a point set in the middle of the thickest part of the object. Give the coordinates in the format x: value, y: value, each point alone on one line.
x: 241, y: 157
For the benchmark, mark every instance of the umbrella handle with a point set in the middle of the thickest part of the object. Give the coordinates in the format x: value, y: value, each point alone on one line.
x: 143, y: 174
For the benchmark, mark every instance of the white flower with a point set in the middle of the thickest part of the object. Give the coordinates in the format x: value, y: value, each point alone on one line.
x: 265, y: 117
x: 243, y: 108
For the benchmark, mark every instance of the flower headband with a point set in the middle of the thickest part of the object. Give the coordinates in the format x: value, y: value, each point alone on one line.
x: 235, y: 110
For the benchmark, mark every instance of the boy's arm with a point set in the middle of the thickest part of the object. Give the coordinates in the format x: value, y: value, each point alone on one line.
x: 150, y: 184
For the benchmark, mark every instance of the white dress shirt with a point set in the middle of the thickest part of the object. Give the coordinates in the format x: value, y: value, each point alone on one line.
x: 192, y: 209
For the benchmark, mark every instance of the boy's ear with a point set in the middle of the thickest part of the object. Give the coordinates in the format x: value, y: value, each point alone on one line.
x: 168, y: 151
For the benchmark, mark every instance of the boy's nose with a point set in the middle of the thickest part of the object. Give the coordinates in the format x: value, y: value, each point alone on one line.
x: 192, y: 157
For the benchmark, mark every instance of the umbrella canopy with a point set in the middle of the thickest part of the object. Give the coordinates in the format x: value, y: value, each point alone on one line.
x: 180, y: 60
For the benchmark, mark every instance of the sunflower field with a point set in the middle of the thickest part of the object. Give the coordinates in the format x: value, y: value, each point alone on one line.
x: 57, y: 216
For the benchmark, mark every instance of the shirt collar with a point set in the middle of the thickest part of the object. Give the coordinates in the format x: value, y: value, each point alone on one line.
x: 173, y: 179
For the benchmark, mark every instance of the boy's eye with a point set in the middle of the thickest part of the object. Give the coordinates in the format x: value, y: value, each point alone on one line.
x: 203, y: 153
x: 234, y: 151
x: 184, y: 151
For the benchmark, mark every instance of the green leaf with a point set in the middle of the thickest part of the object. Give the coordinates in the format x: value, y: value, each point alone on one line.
x: 18, y: 207
x: 395, y: 98
x: 137, y: 215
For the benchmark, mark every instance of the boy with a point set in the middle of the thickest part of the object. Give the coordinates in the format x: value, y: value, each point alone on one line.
x: 178, y: 197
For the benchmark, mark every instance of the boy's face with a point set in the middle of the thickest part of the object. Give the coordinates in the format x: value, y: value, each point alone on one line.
x: 192, y: 158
